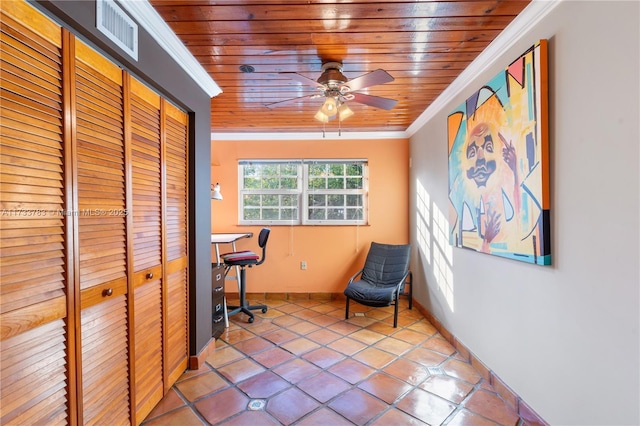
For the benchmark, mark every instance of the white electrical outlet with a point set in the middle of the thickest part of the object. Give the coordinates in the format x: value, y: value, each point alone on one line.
x: 303, y: 265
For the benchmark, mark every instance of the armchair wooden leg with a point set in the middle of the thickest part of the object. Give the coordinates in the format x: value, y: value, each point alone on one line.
x: 395, y: 312
x: 346, y: 315
x: 410, y: 290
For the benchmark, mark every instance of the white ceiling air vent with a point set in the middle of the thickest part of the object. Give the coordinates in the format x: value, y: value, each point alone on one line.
x: 113, y: 22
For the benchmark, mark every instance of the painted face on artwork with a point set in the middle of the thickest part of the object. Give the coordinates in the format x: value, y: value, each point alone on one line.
x: 480, y: 155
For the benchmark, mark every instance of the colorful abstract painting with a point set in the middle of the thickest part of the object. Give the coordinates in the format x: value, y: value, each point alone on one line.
x: 498, y: 164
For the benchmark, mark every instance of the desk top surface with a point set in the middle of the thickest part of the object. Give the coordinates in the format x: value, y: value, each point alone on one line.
x: 229, y: 238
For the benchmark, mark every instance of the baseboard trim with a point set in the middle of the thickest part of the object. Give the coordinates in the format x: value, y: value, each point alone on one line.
x: 526, y: 413
x: 197, y: 361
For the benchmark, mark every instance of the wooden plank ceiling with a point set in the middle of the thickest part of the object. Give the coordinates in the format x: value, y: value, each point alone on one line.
x: 423, y: 45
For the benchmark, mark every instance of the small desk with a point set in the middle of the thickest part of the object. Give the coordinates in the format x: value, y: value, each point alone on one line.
x: 218, y: 239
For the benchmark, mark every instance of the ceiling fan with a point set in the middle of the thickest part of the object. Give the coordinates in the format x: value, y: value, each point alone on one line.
x: 338, y: 90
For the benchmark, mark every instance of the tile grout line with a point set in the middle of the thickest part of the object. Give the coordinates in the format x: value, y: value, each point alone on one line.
x: 377, y: 370
x: 455, y: 355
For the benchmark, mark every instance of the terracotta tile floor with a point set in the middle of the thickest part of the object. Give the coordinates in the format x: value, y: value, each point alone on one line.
x: 301, y: 363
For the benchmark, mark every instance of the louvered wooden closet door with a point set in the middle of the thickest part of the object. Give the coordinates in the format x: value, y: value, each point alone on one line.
x: 101, y: 218
x: 33, y: 252
x: 146, y: 183
x: 93, y: 258
x: 176, y: 277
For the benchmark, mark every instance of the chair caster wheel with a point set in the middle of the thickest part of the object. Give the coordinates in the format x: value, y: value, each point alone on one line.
x: 264, y: 310
x: 251, y: 319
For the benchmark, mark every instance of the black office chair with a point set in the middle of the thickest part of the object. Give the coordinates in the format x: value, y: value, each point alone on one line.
x: 383, y: 278
x: 244, y: 259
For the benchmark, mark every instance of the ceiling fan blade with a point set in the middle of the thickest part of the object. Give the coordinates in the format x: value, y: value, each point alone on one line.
x: 374, y: 101
x: 292, y: 100
x: 369, y: 79
x: 301, y: 78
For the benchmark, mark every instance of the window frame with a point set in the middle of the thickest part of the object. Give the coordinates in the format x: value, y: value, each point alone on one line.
x: 304, y: 192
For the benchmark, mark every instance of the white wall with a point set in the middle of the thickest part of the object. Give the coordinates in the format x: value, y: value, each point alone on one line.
x: 564, y: 337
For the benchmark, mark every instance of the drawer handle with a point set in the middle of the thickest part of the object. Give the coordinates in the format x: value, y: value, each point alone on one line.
x: 217, y: 320
x: 107, y: 292
x: 150, y: 275
x: 218, y: 277
x: 218, y: 289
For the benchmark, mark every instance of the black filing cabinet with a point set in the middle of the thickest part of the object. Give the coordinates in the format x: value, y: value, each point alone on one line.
x: 217, y: 299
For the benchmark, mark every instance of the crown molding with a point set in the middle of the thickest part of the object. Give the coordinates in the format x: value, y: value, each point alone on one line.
x: 150, y: 20
x: 525, y: 21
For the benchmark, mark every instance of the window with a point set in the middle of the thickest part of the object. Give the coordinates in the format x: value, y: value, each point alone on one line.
x: 303, y: 192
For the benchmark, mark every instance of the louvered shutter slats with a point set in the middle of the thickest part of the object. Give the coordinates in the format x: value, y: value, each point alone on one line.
x: 33, y: 365
x: 100, y: 170
x: 176, y: 186
x: 146, y: 177
x: 146, y: 189
x: 102, y: 239
x: 94, y: 202
x: 177, y: 323
x: 149, y: 355
x: 32, y: 276
x: 176, y: 276
x: 104, y: 367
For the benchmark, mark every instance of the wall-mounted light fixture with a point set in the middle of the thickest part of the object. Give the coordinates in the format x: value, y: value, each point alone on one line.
x: 215, y: 192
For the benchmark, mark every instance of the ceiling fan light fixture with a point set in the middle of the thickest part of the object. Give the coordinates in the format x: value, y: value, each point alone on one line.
x: 332, y: 86
x: 332, y: 75
x: 330, y: 107
x: 321, y: 116
x: 344, y: 112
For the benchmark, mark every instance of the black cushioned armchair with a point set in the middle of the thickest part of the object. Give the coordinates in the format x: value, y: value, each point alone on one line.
x: 382, y: 280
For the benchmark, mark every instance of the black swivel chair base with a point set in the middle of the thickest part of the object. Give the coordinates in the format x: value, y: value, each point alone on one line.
x: 244, y: 306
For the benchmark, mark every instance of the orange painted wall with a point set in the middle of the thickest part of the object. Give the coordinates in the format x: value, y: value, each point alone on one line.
x: 332, y: 253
